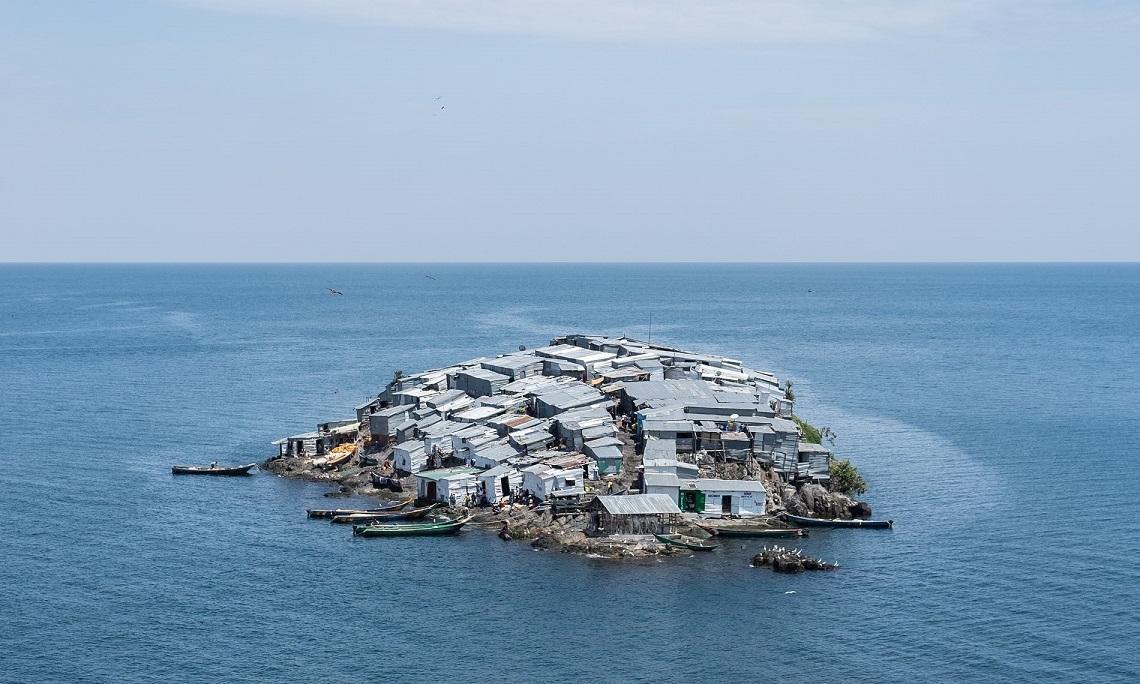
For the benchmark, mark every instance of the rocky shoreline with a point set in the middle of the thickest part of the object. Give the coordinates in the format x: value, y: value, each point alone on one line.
x: 699, y: 440
x: 563, y: 532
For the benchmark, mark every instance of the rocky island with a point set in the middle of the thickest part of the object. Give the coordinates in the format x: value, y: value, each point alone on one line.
x: 597, y: 445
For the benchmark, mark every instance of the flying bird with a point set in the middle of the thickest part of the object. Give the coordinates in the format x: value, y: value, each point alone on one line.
x: 430, y: 276
x: 334, y: 291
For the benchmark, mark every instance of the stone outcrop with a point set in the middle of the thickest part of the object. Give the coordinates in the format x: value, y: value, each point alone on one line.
x: 813, y: 500
x: 783, y: 559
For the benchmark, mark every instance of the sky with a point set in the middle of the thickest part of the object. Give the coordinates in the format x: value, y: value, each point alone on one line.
x: 569, y: 130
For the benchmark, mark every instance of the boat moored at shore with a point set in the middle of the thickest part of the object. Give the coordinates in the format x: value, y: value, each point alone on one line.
x: 212, y: 469
x: 413, y: 514
x: 423, y: 529
x: 334, y: 512
x: 754, y: 531
x: 836, y: 522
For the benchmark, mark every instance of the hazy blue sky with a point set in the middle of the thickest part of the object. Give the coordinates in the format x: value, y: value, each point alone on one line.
x: 612, y: 130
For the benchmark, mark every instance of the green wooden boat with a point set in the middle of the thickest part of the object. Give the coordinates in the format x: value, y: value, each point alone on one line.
x: 415, y: 529
x: 684, y: 542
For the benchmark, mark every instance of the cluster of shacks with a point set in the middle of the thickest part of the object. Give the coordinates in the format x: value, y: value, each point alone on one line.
x: 544, y: 422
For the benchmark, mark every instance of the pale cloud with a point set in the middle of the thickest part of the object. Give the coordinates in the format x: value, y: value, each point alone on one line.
x: 732, y: 21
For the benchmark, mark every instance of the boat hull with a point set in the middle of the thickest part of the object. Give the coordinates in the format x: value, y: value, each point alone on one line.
x: 409, y: 530
x: 333, y: 512
x: 691, y: 543
x: 761, y: 533
x: 362, y: 518
x: 207, y: 470
x: 819, y: 522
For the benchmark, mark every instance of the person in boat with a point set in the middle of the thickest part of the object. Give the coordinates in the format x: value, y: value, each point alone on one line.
x: 214, y: 465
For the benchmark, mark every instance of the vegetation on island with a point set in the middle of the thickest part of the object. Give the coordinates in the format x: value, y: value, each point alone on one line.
x: 845, y: 478
x: 810, y: 433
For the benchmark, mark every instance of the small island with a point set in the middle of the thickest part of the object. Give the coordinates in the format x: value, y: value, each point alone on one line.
x: 605, y: 446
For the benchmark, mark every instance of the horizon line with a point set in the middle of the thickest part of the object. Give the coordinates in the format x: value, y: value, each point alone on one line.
x: 578, y: 263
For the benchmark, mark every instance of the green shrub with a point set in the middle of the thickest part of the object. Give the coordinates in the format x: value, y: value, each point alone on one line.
x: 845, y: 478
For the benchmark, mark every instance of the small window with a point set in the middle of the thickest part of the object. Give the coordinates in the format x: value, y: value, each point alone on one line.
x: 569, y: 482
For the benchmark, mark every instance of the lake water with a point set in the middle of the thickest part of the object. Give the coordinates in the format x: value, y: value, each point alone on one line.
x: 994, y: 409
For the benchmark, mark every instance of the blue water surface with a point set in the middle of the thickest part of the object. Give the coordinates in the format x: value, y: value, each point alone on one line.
x: 995, y: 410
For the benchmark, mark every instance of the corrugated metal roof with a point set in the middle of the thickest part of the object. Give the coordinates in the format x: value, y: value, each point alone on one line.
x: 603, y: 441
x: 484, y: 374
x: 639, y: 504
x: 513, y: 361
x: 498, y: 471
x: 659, y: 448
x: 606, y: 452
x: 723, y: 485
x: 458, y: 472
x: 809, y: 448
x: 661, y: 480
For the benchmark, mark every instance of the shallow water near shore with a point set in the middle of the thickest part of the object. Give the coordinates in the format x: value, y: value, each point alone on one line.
x: 994, y: 409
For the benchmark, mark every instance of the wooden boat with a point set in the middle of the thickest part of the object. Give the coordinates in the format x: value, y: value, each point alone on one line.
x: 335, y: 460
x: 754, y: 531
x: 390, y: 483
x: 412, y: 514
x: 410, y: 529
x: 686, y: 542
x: 212, y: 470
x: 333, y: 512
x: 822, y: 522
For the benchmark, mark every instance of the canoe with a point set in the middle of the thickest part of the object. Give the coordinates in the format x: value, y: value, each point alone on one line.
x: 686, y: 542
x: 754, y: 531
x: 411, y: 514
x: 410, y: 529
x: 212, y: 470
x: 822, y: 522
x: 333, y: 512
x: 390, y: 483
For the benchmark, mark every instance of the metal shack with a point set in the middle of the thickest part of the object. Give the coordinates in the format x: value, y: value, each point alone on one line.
x: 445, y: 483
x: 717, y: 498
x: 607, y: 452
x: 544, y: 481
x: 515, y: 366
x: 480, y: 382
x: 409, y: 456
x: 498, y: 482
x: 632, y: 514
x: 382, y: 423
